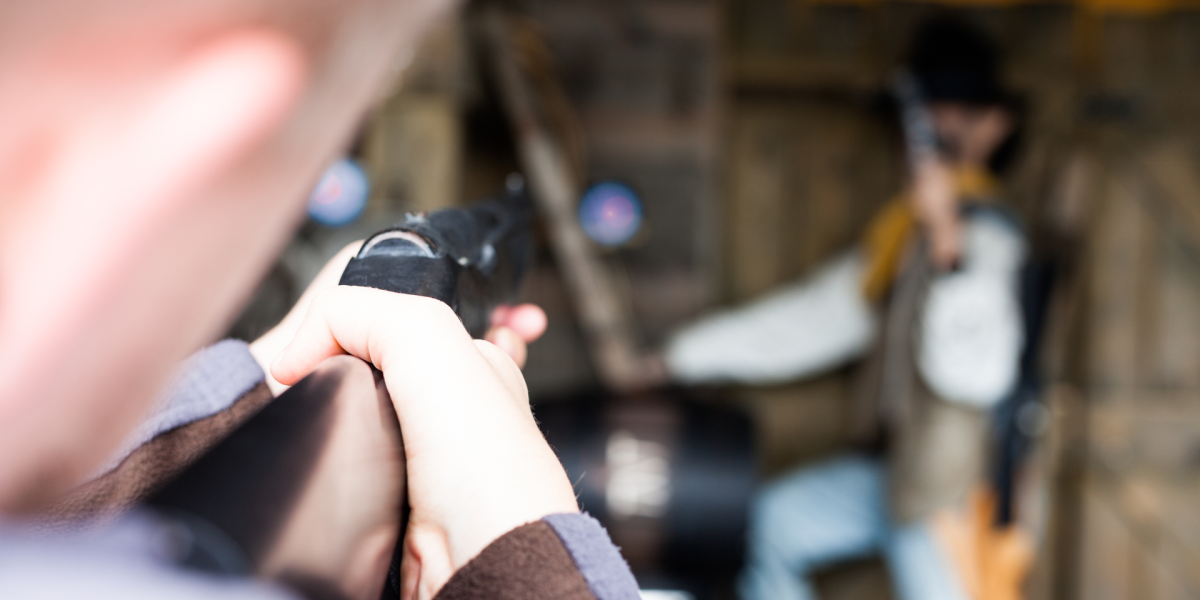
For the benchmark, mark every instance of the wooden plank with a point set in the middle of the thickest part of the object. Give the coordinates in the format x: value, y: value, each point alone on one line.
x: 843, y: 169
x: 1106, y: 569
x: 1171, y: 169
x: 757, y: 73
x: 1173, y: 196
x: 1155, y: 509
x: 1167, y: 586
x: 757, y: 192
x: 1174, y: 358
x: 1181, y: 550
x: 805, y: 178
x: 644, y: 81
x: 413, y: 143
x: 1117, y: 242
x: 1059, y: 456
x: 603, y: 313
x: 414, y: 154
x: 1149, y: 287
x: 1153, y: 430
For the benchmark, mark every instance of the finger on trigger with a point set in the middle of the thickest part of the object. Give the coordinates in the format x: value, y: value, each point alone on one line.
x: 526, y: 320
x: 509, y: 342
x: 312, y: 343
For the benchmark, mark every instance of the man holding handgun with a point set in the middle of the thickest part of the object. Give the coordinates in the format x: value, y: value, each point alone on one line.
x: 155, y: 160
x: 931, y: 304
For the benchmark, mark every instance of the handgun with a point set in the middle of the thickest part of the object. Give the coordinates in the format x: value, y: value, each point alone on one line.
x: 916, y: 122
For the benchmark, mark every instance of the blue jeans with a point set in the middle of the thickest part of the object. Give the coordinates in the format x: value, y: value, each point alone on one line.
x: 829, y: 513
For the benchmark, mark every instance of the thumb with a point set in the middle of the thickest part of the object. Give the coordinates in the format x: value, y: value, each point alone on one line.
x: 312, y: 343
x: 368, y: 323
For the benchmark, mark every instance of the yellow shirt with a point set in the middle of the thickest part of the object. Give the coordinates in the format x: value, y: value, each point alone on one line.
x: 890, y: 229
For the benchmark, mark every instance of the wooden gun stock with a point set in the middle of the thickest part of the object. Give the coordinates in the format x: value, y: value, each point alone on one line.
x: 309, y: 492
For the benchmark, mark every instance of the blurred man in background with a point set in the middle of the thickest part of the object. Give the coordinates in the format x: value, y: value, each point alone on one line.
x: 931, y: 301
x: 155, y: 160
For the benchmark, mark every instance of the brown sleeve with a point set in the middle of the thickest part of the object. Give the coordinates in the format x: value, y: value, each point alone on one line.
x: 527, y: 563
x: 154, y: 462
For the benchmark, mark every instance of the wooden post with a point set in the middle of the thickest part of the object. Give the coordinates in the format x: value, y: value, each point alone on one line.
x: 603, y: 313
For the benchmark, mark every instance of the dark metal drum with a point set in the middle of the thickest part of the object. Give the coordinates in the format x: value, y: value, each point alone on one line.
x: 670, y: 478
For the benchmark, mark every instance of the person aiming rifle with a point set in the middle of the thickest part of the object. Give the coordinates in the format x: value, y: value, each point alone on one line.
x: 155, y: 160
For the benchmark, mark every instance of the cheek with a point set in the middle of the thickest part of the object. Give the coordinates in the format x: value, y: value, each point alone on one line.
x: 95, y: 338
x: 950, y: 130
x: 200, y: 267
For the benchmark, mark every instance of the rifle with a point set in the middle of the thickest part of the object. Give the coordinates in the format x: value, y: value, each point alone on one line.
x: 473, y: 259
x: 991, y: 552
x: 916, y: 123
x: 264, y: 489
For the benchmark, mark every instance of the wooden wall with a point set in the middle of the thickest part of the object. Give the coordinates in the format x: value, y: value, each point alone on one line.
x: 1109, y: 180
x: 1138, y: 361
x: 748, y: 126
x: 643, y: 79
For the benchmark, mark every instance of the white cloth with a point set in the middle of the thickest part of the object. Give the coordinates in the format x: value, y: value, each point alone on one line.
x: 805, y: 328
x: 971, y: 330
x: 970, y: 339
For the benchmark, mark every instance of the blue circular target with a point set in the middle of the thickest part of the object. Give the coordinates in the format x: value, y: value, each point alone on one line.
x: 610, y: 213
x: 341, y: 195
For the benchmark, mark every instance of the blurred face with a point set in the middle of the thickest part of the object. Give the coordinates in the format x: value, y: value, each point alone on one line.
x: 969, y: 136
x: 156, y: 158
x: 971, y: 133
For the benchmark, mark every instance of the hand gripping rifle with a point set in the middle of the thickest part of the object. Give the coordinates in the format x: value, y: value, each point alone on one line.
x: 274, y: 483
x: 472, y: 259
x: 1002, y: 554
